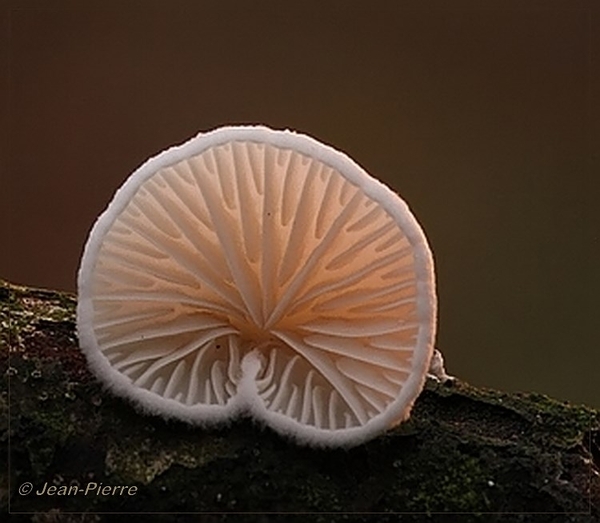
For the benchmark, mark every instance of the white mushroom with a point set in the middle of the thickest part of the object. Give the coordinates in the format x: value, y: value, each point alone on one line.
x: 253, y: 270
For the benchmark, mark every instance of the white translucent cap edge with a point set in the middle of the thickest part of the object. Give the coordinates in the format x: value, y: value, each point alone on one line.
x: 149, y: 402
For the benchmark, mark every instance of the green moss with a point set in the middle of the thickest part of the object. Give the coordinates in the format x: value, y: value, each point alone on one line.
x: 560, y: 423
x: 458, y: 485
x: 141, y: 460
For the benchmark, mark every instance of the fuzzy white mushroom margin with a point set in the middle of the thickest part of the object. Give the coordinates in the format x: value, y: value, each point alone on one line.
x: 247, y: 399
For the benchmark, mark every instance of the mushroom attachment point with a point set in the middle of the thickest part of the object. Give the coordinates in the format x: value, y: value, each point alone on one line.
x: 261, y: 272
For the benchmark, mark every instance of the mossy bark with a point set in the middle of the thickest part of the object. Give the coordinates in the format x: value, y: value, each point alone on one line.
x: 472, y: 454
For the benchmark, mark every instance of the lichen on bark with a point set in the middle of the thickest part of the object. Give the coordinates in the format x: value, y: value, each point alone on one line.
x: 473, y: 454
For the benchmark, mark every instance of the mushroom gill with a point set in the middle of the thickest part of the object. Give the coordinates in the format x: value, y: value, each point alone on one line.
x: 261, y: 271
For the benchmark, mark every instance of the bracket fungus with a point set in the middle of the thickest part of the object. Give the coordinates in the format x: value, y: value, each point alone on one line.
x: 259, y: 271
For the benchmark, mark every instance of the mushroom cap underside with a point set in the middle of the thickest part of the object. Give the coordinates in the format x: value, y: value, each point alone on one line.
x: 260, y: 271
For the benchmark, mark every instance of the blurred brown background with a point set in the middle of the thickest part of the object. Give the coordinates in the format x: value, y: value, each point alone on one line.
x: 482, y: 115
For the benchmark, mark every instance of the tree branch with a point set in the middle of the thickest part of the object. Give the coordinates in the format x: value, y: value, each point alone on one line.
x: 465, y: 450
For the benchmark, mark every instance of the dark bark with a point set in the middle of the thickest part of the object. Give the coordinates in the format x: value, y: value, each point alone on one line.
x: 472, y: 454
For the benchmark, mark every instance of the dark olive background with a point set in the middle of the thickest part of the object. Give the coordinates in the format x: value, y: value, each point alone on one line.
x: 482, y: 115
